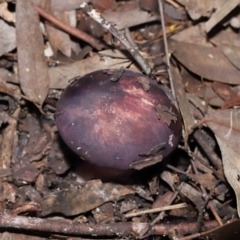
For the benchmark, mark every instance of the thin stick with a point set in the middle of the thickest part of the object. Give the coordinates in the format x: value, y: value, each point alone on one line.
x: 154, y: 210
x: 206, y: 198
x: 120, y: 229
x: 166, y: 50
x: 120, y: 36
x: 71, y: 30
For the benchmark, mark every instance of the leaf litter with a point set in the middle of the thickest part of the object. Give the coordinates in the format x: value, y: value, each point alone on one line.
x: 37, y: 169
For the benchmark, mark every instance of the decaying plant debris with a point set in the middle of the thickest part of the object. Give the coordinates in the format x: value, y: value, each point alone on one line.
x: 195, y: 193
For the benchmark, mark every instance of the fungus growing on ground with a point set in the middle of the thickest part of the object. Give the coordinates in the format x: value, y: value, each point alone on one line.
x: 117, y: 118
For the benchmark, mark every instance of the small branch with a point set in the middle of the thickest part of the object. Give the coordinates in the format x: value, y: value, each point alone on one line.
x: 206, y: 198
x: 155, y: 210
x: 112, y: 29
x: 67, y: 227
x: 166, y: 50
x: 71, y: 30
x: 203, y: 143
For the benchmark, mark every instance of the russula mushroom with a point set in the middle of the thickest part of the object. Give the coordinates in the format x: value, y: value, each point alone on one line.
x: 114, y: 118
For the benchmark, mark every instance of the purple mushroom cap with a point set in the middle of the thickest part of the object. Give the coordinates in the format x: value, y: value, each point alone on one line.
x: 111, y: 123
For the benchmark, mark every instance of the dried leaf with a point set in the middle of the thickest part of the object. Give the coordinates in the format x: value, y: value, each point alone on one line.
x: 207, y: 62
x: 198, y: 8
x: 61, y: 6
x: 183, y: 103
x: 223, y: 90
x: 192, y: 194
x: 59, y: 76
x: 224, y: 8
x: 3, y: 118
x: 116, y: 73
x: 129, y: 18
x: 225, y: 125
x: 154, y: 150
x: 147, y: 162
x: 229, y: 230
x: 207, y: 180
x: 6, y: 14
x: 59, y: 39
x: 165, y: 114
x: 75, y: 201
x: 233, y: 55
x: 145, y: 83
x: 4, y: 88
x: 231, y: 166
x: 7, y: 36
x: 32, y: 67
x: 193, y: 34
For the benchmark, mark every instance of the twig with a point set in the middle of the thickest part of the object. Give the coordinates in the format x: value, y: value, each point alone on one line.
x: 120, y: 36
x: 202, y: 141
x: 166, y: 50
x: 206, y: 198
x: 161, y: 215
x: 67, y: 227
x: 175, y: 4
x: 208, y: 166
x: 71, y: 30
x: 6, y: 148
x: 155, y: 210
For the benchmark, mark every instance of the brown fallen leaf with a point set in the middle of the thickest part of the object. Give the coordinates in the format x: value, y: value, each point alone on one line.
x: 165, y: 114
x: 59, y: 76
x: 75, y: 201
x: 145, y: 83
x: 183, y: 102
x: 231, y: 166
x: 7, y: 36
x: 146, y: 162
x: 32, y: 67
x: 59, y: 39
x: 223, y: 9
x: 225, y: 125
x: 129, y: 18
x: 207, y: 62
x: 229, y: 230
x: 223, y: 90
x: 233, y: 55
x: 198, y: 8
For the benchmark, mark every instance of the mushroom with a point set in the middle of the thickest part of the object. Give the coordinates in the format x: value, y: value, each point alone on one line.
x: 117, y: 118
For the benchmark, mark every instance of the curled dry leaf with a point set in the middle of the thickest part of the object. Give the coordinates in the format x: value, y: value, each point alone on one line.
x: 165, y: 114
x: 32, y: 67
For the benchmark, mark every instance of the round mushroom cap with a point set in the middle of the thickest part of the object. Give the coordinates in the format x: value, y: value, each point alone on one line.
x: 117, y: 123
